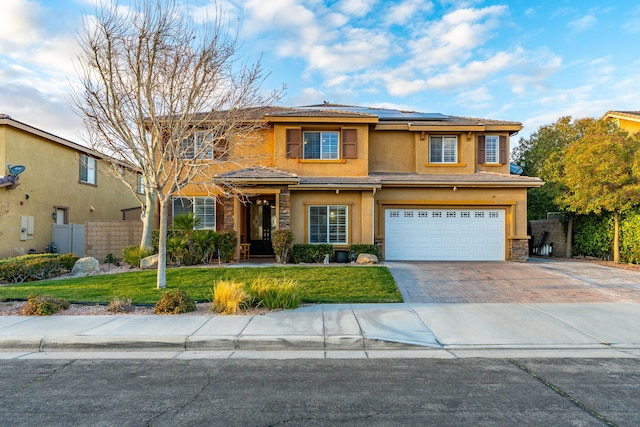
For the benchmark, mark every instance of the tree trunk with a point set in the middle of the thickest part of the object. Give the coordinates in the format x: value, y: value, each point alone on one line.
x: 161, y: 279
x: 569, y: 250
x: 616, y: 237
x: 147, y: 217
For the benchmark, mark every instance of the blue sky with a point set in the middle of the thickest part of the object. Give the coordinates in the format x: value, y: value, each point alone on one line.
x: 531, y: 62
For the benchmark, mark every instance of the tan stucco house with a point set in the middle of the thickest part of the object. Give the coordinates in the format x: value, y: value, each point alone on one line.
x: 61, y: 182
x: 422, y: 186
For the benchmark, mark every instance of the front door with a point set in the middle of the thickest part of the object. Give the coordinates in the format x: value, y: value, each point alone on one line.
x: 261, y: 223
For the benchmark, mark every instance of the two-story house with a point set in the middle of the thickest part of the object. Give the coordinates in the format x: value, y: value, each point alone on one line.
x: 61, y: 182
x: 423, y: 186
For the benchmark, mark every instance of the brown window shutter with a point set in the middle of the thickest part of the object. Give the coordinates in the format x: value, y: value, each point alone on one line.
x: 481, y: 147
x: 349, y: 143
x: 503, y: 149
x: 294, y: 143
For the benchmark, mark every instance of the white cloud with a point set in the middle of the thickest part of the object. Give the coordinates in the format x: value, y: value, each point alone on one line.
x: 405, y: 11
x: 583, y: 23
x: 632, y: 22
x: 19, y: 25
x: 452, y: 39
x: 356, y: 7
x: 473, y: 72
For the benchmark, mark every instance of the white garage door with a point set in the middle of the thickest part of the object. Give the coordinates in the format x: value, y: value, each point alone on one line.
x: 444, y: 234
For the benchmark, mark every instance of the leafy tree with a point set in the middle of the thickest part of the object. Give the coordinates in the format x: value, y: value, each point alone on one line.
x: 600, y: 173
x: 543, y: 155
x: 168, y: 96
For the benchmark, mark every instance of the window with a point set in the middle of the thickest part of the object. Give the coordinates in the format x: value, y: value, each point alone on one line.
x: 203, y: 208
x: 87, y: 169
x: 139, y: 184
x: 492, y: 149
x: 321, y: 145
x: 443, y: 149
x: 199, y: 145
x: 328, y: 224
x: 491, y: 146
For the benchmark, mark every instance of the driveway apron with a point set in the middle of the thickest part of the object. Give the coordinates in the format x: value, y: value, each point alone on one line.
x: 536, y: 281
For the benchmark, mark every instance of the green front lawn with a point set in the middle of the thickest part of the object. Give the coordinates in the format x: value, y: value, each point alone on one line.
x: 349, y: 284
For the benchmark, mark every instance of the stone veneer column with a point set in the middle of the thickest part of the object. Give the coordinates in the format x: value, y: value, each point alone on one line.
x: 285, y: 209
x: 519, y: 249
x: 228, y: 213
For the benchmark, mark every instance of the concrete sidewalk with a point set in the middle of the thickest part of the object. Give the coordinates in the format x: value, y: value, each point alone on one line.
x: 343, y: 330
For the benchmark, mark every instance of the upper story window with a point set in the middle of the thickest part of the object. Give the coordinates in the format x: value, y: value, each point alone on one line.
x: 443, y: 149
x: 203, y: 145
x: 139, y: 183
x: 491, y: 148
x: 87, y: 169
x: 320, y: 145
x: 203, y: 208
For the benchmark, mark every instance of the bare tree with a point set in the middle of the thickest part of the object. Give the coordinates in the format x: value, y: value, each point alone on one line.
x: 169, y: 96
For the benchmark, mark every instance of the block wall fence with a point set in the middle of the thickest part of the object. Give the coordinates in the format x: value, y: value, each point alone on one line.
x: 110, y: 237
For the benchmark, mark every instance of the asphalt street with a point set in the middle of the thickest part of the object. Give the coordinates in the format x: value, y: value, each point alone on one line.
x: 578, y: 392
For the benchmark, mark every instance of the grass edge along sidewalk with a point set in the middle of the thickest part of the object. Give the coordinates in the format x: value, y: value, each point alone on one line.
x: 345, y: 284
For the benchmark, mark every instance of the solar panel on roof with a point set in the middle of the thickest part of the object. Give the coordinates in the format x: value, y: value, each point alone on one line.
x: 382, y: 113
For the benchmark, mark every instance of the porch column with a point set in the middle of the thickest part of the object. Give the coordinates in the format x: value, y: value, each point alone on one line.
x: 229, y: 203
x: 284, y: 211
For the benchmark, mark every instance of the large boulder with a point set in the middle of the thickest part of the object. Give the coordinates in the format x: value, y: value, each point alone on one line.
x: 86, y: 265
x: 149, y: 263
x: 367, y: 259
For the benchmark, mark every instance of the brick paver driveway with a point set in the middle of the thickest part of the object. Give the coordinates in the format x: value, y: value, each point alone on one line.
x: 536, y: 281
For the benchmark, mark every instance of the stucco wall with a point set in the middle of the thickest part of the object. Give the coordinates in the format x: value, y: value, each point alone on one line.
x: 51, y: 180
x: 110, y: 237
x: 359, y: 213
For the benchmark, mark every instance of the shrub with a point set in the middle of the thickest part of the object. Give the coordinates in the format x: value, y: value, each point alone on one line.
x: 204, y: 245
x: 45, y: 305
x: 281, y: 242
x: 110, y: 259
x: 227, y: 243
x: 364, y: 249
x: 174, y: 302
x: 120, y: 305
x: 630, y: 238
x: 133, y: 254
x: 311, y: 253
x: 229, y: 297
x: 275, y: 293
x: 186, y: 222
x: 593, y: 235
x: 67, y: 261
x: 176, y: 249
x: 35, y: 267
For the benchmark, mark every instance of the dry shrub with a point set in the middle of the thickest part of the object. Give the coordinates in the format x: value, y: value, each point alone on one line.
x: 45, y: 305
x: 229, y: 297
x: 174, y: 302
x: 120, y: 305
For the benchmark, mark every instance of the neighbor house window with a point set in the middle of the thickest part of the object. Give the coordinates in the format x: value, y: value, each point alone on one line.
x: 139, y: 184
x: 199, y: 145
x: 203, y: 208
x: 443, y: 149
x: 328, y: 224
x: 321, y: 145
x: 491, y: 148
x: 87, y: 169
